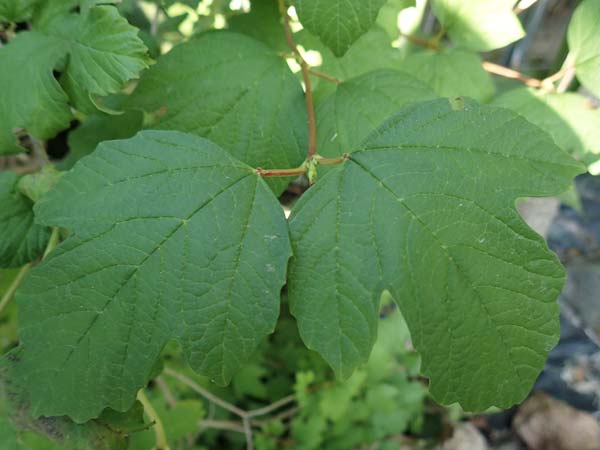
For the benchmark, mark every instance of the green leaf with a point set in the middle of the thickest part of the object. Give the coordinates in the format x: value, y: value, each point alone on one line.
x: 388, y: 16
x: 19, y: 431
x: 451, y: 73
x: 584, y: 44
x: 16, y: 10
x: 361, y: 104
x: 338, y: 24
x: 170, y: 238
x: 31, y: 97
x: 426, y: 209
x: 479, y: 25
x: 233, y: 90
x: 569, y: 118
x: 36, y: 185
x: 21, y: 240
x: 96, y: 53
x: 178, y: 421
x: 372, y: 51
x: 263, y: 23
x: 249, y: 382
x: 106, y: 42
x: 97, y: 128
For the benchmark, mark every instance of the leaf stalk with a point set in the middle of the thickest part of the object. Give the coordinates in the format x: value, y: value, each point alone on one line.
x: 305, y: 69
x: 10, y: 293
x: 159, y: 430
x: 311, y: 162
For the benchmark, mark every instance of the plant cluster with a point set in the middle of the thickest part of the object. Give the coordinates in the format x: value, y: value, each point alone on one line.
x: 158, y: 252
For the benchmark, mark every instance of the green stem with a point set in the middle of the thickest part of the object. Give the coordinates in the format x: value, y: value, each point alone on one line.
x: 52, y: 242
x: 281, y: 172
x: 332, y: 161
x: 159, y: 430
x: 9, y: 294
x: 305, y: 70
x: 7, y: 297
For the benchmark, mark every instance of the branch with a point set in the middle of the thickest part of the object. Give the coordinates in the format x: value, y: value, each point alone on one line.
x: 566, y: 80
x: 205, y: 393
x: 166, y: 392
x: 222, y: 425
x: 272, y: 407
x: 280, y: 172
x: 285, y: 414
x: 159, y: 430
x: 421, y: 42
x: 8, y: 295
x: 248, y: 433
x: 320, y: 74
x: 505, y: 72
x: 565, y: 74
x: 305, y: 69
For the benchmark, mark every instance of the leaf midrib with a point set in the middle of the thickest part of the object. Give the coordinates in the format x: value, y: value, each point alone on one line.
x: 445, y: 250
x: 139, y: 266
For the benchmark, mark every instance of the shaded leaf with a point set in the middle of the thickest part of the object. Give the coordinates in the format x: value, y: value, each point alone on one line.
x: 21, y: 240
x: 584, y: 44
x: 233, y: 90
x: 361, y: 104
x: 97, y: 128
x: 479, y: 25
x: 19, y: 431
x: 451, y: 73
x: 568, y: 117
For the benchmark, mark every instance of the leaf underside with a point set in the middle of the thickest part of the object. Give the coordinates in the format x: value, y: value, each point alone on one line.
x: 171, y: 239
x: 426, y: 209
